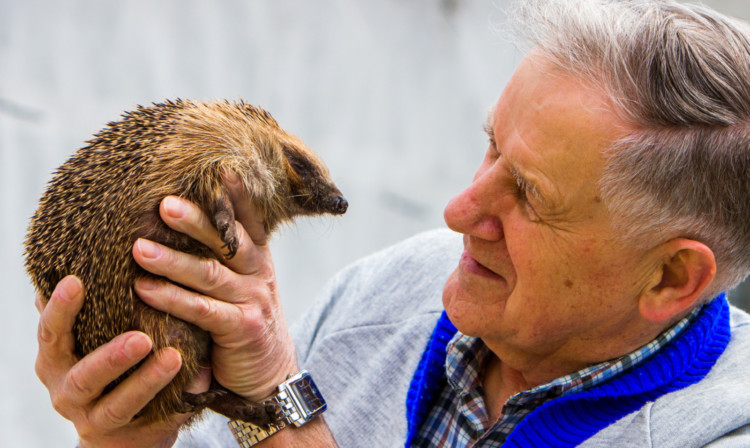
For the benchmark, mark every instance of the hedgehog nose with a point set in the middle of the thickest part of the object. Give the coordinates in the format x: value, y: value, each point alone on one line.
x: 340, y: 204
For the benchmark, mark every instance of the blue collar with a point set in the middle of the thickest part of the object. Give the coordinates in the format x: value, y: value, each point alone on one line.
x: 685, y: 361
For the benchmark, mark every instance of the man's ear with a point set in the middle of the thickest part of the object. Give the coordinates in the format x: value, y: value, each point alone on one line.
x: 686, y: 269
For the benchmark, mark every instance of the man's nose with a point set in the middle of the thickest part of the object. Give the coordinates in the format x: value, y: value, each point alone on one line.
x: 471, y: 212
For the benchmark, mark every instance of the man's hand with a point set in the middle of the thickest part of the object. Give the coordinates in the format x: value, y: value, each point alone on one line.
x: 236, y: 299
x: 76, y: 386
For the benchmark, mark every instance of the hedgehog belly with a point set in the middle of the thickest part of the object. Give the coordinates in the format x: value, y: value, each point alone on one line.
x: 194, y: 345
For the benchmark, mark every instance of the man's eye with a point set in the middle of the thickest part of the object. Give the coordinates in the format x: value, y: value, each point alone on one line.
x: 522, y: 194
x: 492, y: 149
x: 527, y: 206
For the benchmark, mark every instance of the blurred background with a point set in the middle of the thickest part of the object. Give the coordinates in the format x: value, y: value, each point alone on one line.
x: 392, y: 94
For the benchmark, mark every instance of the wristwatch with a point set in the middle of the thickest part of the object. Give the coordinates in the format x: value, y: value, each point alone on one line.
x: 300, y: 401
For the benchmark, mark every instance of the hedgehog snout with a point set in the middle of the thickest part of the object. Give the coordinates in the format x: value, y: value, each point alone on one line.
x: 340, y: 204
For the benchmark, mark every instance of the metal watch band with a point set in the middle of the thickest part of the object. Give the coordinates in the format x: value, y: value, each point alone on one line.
x: 290, y: 410
x: 300, y: 401
x: 247, y: 434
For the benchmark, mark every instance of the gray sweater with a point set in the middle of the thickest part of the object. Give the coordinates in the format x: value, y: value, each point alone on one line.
x: 365, y: 335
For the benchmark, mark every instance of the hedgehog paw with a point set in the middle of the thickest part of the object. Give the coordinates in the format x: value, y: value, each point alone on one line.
x: 225, y: 224
x: 274, y: 411
x: 227, y: 232
x: 262, y: 414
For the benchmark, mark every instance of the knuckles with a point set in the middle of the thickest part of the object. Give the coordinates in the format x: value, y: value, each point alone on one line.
x: 213, y: 274
x: 256, y: 324
x: 62, y: 402
x: 205, y: 308
x: 79, y: 386
x: 111, y: 418
x: 42, y: 369
x: 45, y: 335
x: 60, y: 405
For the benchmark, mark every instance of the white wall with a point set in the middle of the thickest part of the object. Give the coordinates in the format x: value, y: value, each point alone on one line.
x: 391, y: 93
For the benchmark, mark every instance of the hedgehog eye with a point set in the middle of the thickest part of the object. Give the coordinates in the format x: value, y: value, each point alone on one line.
x: 299, y: 163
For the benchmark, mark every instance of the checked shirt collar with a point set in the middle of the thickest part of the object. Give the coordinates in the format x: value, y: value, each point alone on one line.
x: 460, y: 416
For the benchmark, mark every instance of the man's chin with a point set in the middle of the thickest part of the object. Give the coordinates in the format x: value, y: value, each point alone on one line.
x: 450, y: 288
x: 458, y: 304
x: 469, y: 308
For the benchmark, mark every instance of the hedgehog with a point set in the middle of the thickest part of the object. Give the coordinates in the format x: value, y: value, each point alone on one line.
x: 107, y: 195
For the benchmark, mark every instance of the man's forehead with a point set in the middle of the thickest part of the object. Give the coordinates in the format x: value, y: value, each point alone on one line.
x: 553, y: 128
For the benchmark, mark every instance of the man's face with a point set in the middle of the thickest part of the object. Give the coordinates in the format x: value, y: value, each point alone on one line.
x: 541, y: 274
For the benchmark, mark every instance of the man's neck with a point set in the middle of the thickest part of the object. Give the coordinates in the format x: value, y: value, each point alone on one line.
x: 502, y: 380
x: 500, y: 383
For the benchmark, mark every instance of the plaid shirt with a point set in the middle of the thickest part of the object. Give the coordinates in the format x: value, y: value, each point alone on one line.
x: 459, y: 415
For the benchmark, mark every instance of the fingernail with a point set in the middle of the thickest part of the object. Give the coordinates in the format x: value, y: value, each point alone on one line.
x: 174, y: 207
x: 147, y: 283
x: 68, y: 287
x: 171, y: 359
x: 137, y: 346
x: 148, y: 248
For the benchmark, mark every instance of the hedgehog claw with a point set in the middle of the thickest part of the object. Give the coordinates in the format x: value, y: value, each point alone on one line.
x: 224, y: 222
x: 231, y: 246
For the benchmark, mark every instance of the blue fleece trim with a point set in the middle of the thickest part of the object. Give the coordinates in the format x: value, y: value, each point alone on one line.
x: 569, y: 420
x: 429, y: 377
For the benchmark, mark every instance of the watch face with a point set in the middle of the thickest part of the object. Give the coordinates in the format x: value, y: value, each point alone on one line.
x: 310, y: 398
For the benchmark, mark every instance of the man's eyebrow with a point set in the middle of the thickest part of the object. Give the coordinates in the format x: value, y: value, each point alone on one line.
x: 530, y: 188
x: 523, y: 183
x: 487, y: 126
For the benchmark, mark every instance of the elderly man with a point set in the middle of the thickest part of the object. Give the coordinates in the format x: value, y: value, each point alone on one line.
x: 607, y: 216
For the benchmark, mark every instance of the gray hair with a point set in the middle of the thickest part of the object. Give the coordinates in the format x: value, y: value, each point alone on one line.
x: 680, y: 74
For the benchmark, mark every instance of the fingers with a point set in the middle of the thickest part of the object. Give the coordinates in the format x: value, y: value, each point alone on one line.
x: 55, y: 331
x: 201, y: 382
x: 118, y: 407
x: 87, y: 379
x: 215, y: 316
x: 207, y: 276
x: 75, y: 386
x: 109, y: 420
x: 188, y: 218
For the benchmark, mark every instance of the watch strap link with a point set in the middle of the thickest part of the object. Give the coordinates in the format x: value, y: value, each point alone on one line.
x: 287, y: 405
x: 248, y: 434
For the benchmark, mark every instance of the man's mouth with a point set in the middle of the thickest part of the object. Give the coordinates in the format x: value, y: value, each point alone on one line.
x: 470, y: 264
